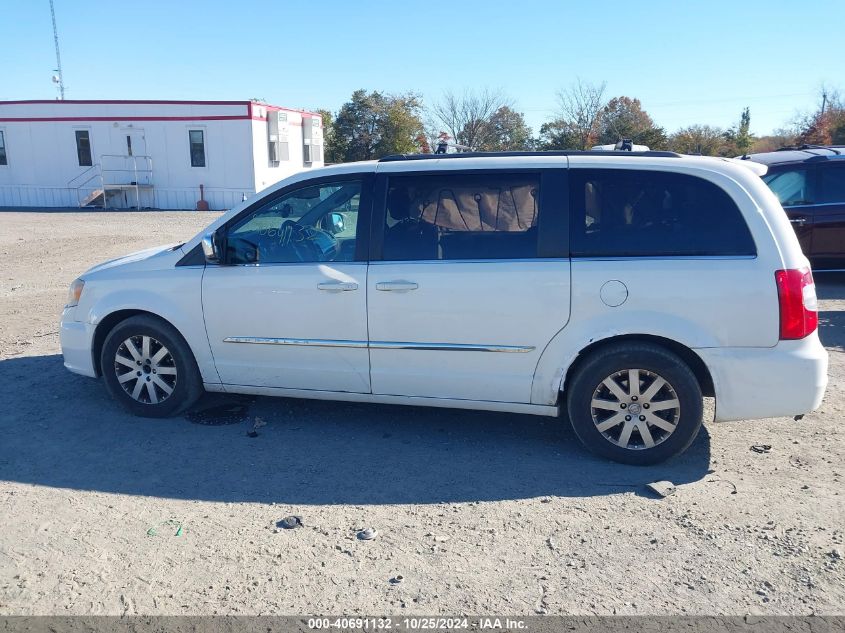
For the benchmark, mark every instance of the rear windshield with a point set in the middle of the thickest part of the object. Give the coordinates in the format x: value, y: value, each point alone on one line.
x: 637, y: 213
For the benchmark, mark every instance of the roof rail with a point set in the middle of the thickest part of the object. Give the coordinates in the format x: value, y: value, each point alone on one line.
x: 400, y: 157
x: 792, y: 148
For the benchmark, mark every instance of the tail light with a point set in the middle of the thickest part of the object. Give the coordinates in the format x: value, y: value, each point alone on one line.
x: 799, y: 316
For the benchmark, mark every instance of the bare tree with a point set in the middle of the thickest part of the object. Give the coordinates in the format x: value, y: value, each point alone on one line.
x: 581, y: 106
x: 466, y: 117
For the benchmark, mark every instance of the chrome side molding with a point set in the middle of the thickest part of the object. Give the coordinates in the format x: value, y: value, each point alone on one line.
x: 452, y: 347
x: 441, y: 347
x: 312, y: 342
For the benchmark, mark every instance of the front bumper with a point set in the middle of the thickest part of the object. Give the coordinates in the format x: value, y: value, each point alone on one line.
x: 785, y: 380
x: 77, y: 339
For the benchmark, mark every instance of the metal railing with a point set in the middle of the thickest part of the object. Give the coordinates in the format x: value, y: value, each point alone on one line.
x: 116, y: 172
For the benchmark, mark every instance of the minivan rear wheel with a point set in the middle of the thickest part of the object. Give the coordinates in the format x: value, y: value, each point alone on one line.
x: 148, y: 367
x: 635, y: 403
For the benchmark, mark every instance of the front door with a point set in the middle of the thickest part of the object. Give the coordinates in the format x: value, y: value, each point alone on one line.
x: 461, y: 305
x: 287, y: 308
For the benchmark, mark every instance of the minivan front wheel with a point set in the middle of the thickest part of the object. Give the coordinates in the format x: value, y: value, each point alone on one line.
x: 635, y: 403
x: 149, y: 368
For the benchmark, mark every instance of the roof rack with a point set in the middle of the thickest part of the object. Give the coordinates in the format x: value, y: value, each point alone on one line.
x: 792, y: 148
x: 400, y: 157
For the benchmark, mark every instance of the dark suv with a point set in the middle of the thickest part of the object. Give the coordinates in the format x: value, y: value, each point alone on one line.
x: 809, y: 181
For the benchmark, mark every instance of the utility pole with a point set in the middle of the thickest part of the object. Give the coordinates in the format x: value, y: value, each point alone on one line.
x: 58, y: 79
x: 824, y: 99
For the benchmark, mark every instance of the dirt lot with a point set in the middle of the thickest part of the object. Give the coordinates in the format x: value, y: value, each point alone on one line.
x: 477, y: 512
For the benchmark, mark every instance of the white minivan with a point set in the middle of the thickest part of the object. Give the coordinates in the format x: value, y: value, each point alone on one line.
x: 618, y: 288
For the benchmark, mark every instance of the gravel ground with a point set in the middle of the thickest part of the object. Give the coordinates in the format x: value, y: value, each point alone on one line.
x: 103, y: 513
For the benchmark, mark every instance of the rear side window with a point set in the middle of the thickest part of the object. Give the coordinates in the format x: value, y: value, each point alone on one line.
x: 631, y: 213
x: 832, y: 184
x: 461, y: 216
x: 792, y: 186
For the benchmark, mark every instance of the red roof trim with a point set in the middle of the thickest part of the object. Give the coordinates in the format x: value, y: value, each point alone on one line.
x: 239, y: 117
x: 120, y: 101
x: 249, y: 104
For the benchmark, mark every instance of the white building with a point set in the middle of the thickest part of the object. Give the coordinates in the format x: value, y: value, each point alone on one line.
x: 126, y: 154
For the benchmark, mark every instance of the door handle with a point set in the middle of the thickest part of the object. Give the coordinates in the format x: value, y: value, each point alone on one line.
x: 798, y: 221
x: 396, y: 286
x: 337, y: 286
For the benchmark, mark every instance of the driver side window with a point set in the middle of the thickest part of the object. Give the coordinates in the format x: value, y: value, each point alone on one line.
x: 317, y: 223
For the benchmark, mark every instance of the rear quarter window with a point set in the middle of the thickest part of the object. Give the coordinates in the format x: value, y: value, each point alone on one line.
x: 637, y: 213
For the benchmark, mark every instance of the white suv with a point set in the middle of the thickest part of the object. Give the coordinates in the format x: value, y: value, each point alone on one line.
x: 618, y: 287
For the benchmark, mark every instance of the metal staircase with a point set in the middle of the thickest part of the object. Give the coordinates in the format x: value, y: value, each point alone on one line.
x: 114, y: 182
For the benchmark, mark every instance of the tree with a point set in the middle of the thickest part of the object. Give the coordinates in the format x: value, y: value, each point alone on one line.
x: 739, y: 139
x: 700, y: 139
x: 328, y: 132
x: 467, y: 117
x: 825, y: 126
x: 782, y: 137
x: 624, y: 118
x: 372, y: 125
x: 743, y: 137
x: 580, y: 108
x: 504, y: 131
x: 556, y: 135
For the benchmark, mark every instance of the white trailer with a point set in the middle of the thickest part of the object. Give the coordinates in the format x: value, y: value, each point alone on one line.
x: 150, y: 154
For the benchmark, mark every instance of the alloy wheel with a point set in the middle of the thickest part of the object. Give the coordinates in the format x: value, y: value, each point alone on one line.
x: 145, y: 369
x: 635, y: 409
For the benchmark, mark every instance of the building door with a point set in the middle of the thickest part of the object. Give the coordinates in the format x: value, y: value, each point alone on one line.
x: 134, y: 142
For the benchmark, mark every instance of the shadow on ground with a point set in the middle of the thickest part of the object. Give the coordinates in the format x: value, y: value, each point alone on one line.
x: 62, y: 430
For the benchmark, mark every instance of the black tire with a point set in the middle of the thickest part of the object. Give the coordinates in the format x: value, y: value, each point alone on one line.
x: 657, y: 362
x: 178, y: 370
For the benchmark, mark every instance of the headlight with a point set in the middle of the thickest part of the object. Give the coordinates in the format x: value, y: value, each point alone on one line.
x: 74, y: 292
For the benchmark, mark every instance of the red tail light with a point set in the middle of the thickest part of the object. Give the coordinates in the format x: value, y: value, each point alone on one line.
x: 799, y: 316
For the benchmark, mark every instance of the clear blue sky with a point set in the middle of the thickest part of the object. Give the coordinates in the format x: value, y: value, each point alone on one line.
x: 688, y: 62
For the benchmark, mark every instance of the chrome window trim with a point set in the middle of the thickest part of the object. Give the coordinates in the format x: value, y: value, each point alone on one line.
x: 610, y: 258
x: 521, y: 260
x: 446, y: 347
x: 814, y: 204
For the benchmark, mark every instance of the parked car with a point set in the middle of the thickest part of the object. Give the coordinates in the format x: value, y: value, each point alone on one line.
x: 809, y: 181
x: 617, y: 287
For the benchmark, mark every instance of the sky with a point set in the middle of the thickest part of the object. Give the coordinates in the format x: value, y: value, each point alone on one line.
x: 688, y: 62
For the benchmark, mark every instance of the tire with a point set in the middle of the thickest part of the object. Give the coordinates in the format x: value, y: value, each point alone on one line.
x: 598, y: 399
x: 142, y: 358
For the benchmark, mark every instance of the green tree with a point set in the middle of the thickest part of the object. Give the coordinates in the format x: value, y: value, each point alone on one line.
x: 505, y: 130
x: 624, y: 118
x: 557, y: 135
x: 744, y: 138
x: 328, y: 133
x: 700, y: 139
x: 372, y: 125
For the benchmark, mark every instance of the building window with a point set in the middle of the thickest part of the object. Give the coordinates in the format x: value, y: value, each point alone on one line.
x: 83, y: 148
x: 3, y: 159
x: 196, y: 139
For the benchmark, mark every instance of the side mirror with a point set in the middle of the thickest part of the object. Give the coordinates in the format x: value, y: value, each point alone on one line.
x: 210, y: 248
x: 337, y: 222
